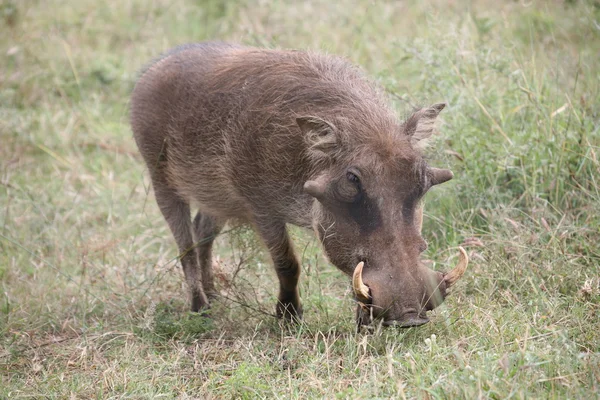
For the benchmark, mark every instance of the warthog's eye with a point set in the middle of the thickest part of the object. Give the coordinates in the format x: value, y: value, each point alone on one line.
x: 352, y: 177
x: 346, y: 190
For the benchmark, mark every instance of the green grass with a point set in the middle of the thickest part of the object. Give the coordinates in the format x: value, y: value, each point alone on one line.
x: 92, y: 301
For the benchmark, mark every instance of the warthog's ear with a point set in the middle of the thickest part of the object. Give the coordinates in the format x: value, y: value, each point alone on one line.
x: 320, y: 135
x: 420, y: 124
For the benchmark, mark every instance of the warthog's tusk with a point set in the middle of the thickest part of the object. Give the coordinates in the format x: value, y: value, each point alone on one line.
x: 360, y: 289
x: 439, y: 176
x: 458, y: 271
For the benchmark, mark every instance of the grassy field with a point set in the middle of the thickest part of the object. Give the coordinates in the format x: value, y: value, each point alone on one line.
x: 92, y: 301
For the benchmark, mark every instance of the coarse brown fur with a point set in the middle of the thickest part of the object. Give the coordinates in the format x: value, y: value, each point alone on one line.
x: 271, y: 137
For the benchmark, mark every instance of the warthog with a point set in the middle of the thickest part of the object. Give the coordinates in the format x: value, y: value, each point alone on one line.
x: 271, y: 137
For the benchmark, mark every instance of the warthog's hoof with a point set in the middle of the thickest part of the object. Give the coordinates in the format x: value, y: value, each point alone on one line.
x: 289, y: 312
x: 199, y: 302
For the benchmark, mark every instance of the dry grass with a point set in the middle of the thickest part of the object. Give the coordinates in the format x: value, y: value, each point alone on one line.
x: 92, y: 301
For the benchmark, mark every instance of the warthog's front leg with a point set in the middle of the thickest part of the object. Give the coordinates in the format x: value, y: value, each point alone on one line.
x: 287, y: 267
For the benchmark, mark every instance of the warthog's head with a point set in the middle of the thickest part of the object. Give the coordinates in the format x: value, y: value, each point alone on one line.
x: 369, y: 211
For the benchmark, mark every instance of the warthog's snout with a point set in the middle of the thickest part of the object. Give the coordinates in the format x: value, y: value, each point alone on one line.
x: 404, y: 305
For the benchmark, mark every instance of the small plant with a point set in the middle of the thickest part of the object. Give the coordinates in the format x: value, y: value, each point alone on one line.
x: 166, y: 322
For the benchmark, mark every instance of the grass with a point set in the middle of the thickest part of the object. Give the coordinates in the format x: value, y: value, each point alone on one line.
x: 92, y: 300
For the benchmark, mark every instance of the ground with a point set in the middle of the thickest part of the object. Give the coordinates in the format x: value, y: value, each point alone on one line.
x: 92, y: 301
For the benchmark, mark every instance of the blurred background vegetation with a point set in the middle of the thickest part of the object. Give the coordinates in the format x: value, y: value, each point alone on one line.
x: 92, y: 301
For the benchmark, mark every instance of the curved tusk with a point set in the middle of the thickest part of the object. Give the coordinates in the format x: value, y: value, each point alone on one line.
x: 419, y: 219
x: 439, y: 175
x: 463, y: 260
x: 360, y: 289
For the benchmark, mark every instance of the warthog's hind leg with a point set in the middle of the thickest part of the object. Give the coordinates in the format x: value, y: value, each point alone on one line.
x: 206, y: 229
x: 177, y: 214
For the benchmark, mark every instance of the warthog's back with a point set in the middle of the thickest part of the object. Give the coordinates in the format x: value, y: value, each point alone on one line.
x: 219, y: 121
